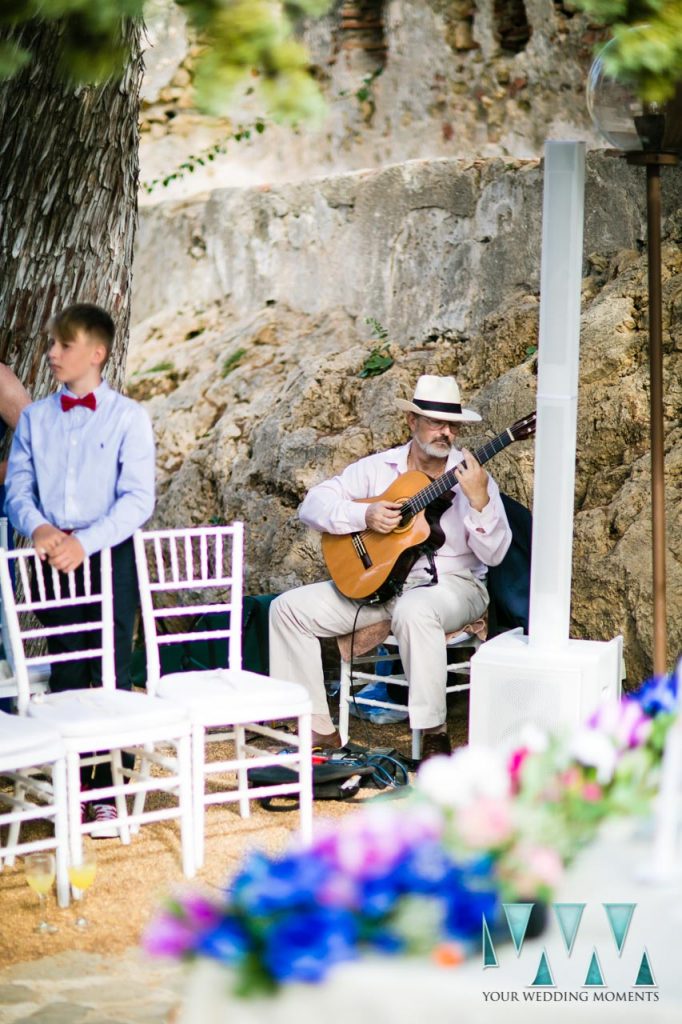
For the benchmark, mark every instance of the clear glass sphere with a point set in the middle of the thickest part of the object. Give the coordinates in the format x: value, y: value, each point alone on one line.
x: 613, y: 105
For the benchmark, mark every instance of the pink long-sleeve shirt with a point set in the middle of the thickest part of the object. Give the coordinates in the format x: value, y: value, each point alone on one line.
x: 473, y: 540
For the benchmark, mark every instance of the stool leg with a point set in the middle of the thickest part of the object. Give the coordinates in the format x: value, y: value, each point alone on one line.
x: 416, y: 744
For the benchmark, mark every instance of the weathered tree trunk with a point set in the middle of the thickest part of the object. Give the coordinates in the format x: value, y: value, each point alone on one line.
x: 68, y: 201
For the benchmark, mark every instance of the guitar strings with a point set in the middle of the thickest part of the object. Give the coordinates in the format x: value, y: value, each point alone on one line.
x: 444, y: 483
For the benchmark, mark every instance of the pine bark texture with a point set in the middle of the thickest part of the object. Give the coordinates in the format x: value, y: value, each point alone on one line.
x: 68, y: 201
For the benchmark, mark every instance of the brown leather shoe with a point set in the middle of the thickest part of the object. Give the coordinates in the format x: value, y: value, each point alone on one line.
x: 326, y: 740
x: 434, y: 743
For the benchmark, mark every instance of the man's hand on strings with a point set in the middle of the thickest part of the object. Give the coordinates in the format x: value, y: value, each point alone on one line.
x: 383, y: 516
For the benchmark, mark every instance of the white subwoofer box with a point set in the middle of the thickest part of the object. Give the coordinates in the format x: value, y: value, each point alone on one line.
x: 514, y: 684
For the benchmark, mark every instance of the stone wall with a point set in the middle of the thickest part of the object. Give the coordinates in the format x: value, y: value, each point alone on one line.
x: 251, y: 335
x: 371, y: 241
x: 403, y: 79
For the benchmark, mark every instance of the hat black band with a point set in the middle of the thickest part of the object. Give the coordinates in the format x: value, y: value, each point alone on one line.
x: 438, y: 406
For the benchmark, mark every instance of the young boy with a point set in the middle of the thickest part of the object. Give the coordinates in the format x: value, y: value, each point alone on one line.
x: 80, y: 479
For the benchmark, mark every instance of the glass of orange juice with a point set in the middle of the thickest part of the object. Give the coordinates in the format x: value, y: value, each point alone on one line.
x: 40, y: 874
x: 82, y: 875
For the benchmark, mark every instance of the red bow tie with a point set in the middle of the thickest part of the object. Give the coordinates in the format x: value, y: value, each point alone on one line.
x: 89, y: 401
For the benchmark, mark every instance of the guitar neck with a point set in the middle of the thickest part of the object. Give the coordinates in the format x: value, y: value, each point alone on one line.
x: 448, y: 480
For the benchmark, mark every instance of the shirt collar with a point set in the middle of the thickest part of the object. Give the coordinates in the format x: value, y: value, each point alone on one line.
x: 397, y: 457
x: 99, y: 392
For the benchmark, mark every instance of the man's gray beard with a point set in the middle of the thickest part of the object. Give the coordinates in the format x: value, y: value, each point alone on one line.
x: 431, y: 450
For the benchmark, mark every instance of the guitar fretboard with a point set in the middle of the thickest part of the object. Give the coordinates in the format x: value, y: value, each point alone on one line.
x: 448, y: 480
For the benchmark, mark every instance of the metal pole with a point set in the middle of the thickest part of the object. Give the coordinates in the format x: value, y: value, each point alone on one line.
x: 653, y: 163
x: 653, y: 213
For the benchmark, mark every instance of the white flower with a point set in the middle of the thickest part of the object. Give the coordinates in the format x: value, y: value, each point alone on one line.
x: 596, y: 750
x: 469, y: 774
x: 532, y: 738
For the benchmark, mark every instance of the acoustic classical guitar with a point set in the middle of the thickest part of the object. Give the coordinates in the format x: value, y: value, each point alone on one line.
x: 370, y: 566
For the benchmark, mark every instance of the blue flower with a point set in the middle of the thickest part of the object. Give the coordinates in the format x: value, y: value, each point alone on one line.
x: 267, y: 886
x: 465, y: 910
x: 385, y: 941
x: 302, y: 947
x: 427, y: 869
x: 378, y: 895
x: 658, y: 694
x: 227, y: 942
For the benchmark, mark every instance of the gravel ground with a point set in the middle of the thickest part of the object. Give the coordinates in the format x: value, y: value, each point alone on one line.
x: 132, y: 880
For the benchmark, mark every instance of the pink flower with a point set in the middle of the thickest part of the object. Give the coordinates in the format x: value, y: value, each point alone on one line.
x: 531, y: 869
x: 571, y: 778
x: 366, y: 844
x: 166, y: 935
x: 514, y: 766
x: 487, y: 823
x: 624, y: 721
x: 592, y: 792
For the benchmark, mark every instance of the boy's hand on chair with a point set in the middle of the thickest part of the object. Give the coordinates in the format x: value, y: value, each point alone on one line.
x: 46, y: 539
x: 69, y: 555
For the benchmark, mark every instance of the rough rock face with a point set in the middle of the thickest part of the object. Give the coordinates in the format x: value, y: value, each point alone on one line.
x: 254, y: 386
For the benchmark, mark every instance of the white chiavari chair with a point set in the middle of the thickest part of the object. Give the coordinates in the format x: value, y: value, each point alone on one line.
x: 100, y: 722
x: 188, y: 573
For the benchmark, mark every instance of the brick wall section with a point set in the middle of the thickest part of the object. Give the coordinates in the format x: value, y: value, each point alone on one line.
x: 361, y: 27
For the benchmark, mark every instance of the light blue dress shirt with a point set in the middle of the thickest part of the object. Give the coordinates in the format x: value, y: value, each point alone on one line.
x: 88, y: 471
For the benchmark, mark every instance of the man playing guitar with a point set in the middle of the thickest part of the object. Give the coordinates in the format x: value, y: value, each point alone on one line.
x: 444, y: 589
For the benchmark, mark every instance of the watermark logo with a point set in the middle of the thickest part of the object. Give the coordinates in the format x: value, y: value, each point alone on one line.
x: 545, y: 974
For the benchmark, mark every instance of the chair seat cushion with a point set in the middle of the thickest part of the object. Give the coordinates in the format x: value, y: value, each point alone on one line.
x: 225, y: 696
x: 97, y: 712
x: 24, y: 742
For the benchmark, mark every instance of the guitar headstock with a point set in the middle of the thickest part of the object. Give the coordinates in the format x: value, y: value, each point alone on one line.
x: 525, y: 428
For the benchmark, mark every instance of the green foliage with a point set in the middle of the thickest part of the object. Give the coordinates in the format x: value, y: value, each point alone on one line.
x: 378, y: 329
x: 380, y: 359
x: 647, y: 49
x: 162, y: 367
x: 90, y: 46
x: 247, y: 42
x: 251, y: 42
x: 365, y: 94
x: 233, y: 361
x: 205, y: 156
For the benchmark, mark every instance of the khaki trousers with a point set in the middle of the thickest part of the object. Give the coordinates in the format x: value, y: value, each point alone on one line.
x: 419, y: 619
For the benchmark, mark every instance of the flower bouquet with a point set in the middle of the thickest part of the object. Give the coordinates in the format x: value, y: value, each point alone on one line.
x: 421, y: 875
x: 382, y: 879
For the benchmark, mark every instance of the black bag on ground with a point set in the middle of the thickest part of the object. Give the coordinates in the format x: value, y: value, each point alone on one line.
x: 339, y: 778
x: 331, y: 781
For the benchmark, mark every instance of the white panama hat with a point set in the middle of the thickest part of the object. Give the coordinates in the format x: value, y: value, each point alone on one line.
x: 439, y: 399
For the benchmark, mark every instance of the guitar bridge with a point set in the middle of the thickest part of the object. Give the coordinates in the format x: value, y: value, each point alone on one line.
x: 361, y: 550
